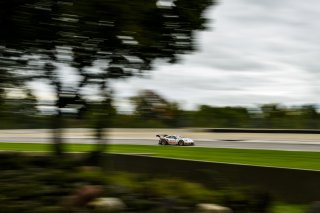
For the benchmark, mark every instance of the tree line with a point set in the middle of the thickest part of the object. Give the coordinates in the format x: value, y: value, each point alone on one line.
x: 151, y: 110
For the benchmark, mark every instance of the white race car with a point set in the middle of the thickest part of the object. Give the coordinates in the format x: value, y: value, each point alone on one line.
x: 174, y: 140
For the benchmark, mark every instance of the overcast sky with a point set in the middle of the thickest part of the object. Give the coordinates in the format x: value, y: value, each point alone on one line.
x: 254, y: 52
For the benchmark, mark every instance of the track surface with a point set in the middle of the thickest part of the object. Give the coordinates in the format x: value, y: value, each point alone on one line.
x: 242, y: 141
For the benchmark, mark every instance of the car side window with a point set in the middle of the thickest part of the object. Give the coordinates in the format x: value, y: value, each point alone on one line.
x: 174, y: 137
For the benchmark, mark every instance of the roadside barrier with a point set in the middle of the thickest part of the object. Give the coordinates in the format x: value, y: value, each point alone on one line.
x: 290, y: 185
x: 282, y: 131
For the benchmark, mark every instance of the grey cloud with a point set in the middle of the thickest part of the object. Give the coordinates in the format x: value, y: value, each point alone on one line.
x: 256, y: 52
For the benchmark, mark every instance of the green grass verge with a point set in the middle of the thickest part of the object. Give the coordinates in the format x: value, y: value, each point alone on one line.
x: 289, y: 159
x: 292, y: 208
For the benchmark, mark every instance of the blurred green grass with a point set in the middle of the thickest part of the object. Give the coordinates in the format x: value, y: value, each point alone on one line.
x: 288, y: 159
x: 292, y: 208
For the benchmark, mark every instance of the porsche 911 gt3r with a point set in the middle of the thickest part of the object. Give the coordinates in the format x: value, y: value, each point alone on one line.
x: 174, y: 140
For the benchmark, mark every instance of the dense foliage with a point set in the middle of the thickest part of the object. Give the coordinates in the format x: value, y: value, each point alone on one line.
x: 271, y: 116
x: 19, y: 114
x: 43, y: 184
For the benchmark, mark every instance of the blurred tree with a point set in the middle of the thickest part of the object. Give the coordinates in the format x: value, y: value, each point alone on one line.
x: 275, y: 116
x: 151, y: 106
x: 310, y: 117
x: 18, y: 107
x: 117, y: 38
x: 208, y: 116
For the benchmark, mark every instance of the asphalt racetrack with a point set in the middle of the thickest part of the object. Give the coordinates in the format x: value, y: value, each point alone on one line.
x: 290, y: 142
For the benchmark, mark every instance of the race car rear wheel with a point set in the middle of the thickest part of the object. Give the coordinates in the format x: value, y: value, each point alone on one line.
x: 164, y: 142
x: 180, y: 143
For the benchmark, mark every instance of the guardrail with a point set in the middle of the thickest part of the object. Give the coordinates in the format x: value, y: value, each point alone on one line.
x: 291, y: 185
x: 240, y: 130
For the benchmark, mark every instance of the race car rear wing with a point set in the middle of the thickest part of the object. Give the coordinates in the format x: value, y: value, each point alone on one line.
x: 161, y: 136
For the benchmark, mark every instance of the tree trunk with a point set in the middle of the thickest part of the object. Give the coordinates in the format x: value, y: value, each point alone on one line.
x: 57, y: 133
x: 96, y: 156
x: 100, y: 137
x: 102, y: 122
